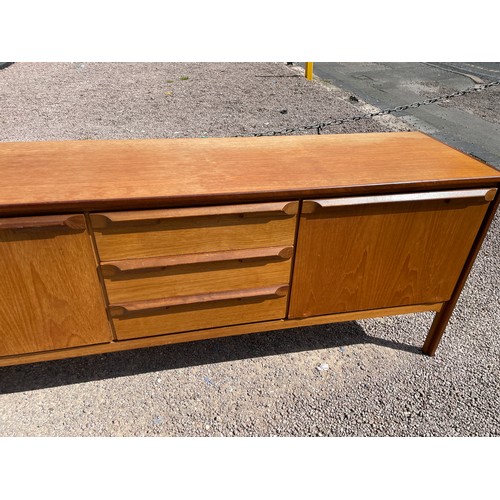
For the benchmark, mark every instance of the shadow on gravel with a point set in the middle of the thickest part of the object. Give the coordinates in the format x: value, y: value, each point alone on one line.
x: 119, y: 364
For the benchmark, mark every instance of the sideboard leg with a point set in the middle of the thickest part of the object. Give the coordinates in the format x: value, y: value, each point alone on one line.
x: 437, y: 329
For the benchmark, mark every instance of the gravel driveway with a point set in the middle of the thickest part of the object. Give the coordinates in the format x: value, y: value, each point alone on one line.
x: 365, y: 378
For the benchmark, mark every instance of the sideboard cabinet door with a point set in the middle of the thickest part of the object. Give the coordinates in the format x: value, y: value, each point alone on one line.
x: 50, y: 295
x: 372, y: 252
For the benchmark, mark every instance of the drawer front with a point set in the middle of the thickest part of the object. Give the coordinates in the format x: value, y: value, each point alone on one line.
x: 204, y: 312
x: 179, y: 270
x: 195, y: 278
x: 154, y: 233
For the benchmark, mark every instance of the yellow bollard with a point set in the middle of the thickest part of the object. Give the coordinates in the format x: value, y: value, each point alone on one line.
x: 309, y: 70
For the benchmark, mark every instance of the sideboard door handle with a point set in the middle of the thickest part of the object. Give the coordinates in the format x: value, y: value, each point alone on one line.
x: 486, y: 194
x: 76, y: 222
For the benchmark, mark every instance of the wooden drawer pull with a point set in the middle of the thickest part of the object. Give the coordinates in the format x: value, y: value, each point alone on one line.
x: 44, y: 221
x: 101, y: 220
x: 310, y: 206
x: 110, y: 268
x: 118, y: 310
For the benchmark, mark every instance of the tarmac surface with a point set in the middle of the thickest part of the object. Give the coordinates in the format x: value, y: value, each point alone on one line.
x: 363, y: 378
x: 468, y: 123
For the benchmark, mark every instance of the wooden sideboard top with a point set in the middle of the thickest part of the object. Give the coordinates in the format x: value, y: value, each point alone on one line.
x: 51, y: 177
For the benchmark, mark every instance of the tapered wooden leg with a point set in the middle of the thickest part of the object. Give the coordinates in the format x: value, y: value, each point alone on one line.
x: 442, y: 317
x: 437, y: 329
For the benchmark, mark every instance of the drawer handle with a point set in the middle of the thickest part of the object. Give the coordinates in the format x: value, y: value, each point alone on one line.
x: 121, y: 309
x: 101, y: 220
x: 310, y: 206
x: 110, y: 268
x: 44, y: 221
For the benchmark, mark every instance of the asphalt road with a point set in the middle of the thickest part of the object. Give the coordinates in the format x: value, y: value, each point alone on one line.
x: 484, y: 71
x: 468, y: 123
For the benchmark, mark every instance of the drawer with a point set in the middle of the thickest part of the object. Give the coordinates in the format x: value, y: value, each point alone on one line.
x: 197, y: 312
x: 155, y: 233
x: 143, y: 279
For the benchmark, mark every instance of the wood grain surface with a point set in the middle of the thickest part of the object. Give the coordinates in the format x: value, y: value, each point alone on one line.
x: 112, y: 267
x: 351, y: 258
x: 184, y: 318
x: 188, y: 235
x: 101, y: 220
x: 159, y: 305
x: 125, y: 174
x: 195, y: 279
x: 50, y: 295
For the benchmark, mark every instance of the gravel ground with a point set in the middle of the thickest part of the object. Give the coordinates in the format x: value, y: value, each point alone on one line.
x: 57, y: 101
x: 486, y: 107
x: 365, y: 378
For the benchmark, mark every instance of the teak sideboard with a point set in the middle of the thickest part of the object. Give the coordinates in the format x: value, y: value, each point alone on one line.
x: 122, y: 244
